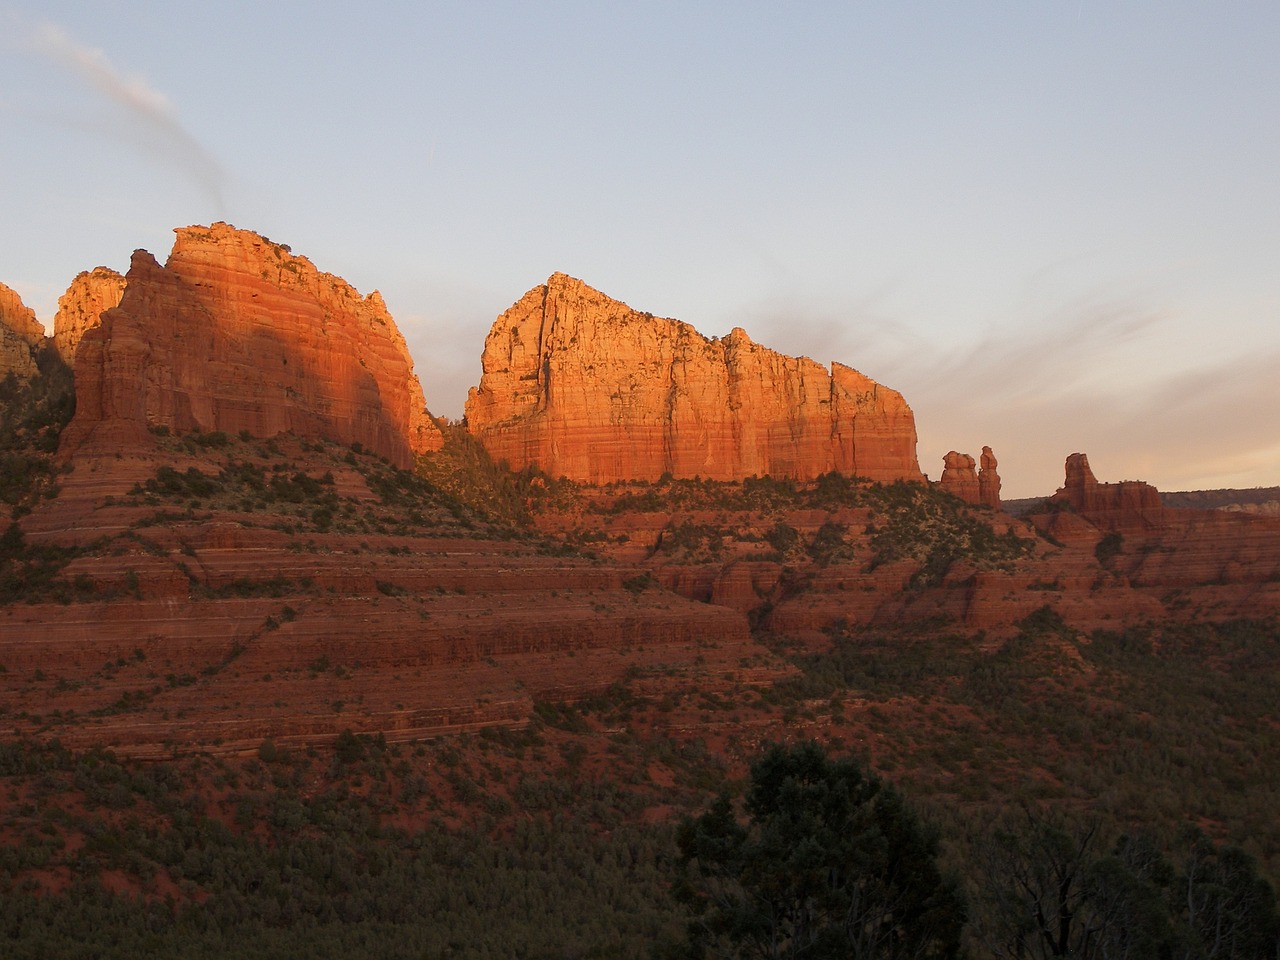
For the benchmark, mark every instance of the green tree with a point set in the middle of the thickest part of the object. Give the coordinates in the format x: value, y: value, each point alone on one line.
x: 830, y: 863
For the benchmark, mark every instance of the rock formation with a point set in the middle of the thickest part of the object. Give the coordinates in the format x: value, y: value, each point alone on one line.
x: 587, y: 388
x: 1128, y: 506
x: 20, y: 334
x: 235, y: 333
x: 961, y: 479
x: 989, y: 480
x: 91, y: 294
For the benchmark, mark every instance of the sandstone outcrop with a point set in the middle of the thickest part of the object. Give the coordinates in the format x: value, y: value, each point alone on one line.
x: 961, y: 477
x: 20, y: 335
x: 989, y: 480
x: 1126, y: 507
x: 587, y: 388
x: 91, y: 293
x: 235, y: 333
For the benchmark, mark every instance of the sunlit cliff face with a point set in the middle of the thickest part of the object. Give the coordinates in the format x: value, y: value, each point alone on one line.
x: 585, y: 387
x: 235, y: 333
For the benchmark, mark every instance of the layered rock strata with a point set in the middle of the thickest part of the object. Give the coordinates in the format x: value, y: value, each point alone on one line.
x: 91, y: 293
x: 1127, y: 506
x: 587, y: 388
x: 235, y: 333
x: 989, y: 480
x: 962, y: 477
x: 20, y: 334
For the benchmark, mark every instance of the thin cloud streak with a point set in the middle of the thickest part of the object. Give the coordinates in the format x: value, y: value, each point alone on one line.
x: 1038, y: 397
x: 152, y: 110
x: 1078, y: 377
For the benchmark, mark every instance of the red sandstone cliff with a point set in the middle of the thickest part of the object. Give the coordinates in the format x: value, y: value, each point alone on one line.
x: 20, y: 334
x: 1128, y: 506
x: 235, y: 333
x: 91, y: 293
x: 587, y: 388
x: 961, y: 478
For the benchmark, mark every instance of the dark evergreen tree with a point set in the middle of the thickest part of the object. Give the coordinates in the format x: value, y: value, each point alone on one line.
x: 830, y: 863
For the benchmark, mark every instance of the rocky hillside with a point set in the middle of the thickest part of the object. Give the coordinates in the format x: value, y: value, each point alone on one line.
x: 584, y: 387
x: 235, y: 589
x: 280, y: 679
x: 251, y: 499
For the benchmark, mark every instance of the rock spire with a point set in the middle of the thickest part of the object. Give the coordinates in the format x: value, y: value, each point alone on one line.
x: 1127, y: 506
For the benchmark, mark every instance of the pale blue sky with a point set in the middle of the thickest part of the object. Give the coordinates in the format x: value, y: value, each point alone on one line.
x: 1054, y: 226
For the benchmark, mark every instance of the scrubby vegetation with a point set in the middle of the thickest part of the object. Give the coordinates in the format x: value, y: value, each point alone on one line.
x: 223, y: 861
x: 1157, y: 727
x: 464, y: 471
x: 899, y: 522
x: 521, y: 843
x: 32, y: 415
x: 1142, y: 761
x: 30, y: 574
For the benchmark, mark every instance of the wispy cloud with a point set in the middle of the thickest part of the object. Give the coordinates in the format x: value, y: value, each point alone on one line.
x: 1093, y: 385
x: 155, y: 119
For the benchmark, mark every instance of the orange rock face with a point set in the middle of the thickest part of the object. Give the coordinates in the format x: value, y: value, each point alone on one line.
x: 20, y: 334
x: 989, y: 480
x: 587, y: 388
x: 235, y: 333
x: 961, y: 478
x: 79, y: 309
x: 1128, y: 506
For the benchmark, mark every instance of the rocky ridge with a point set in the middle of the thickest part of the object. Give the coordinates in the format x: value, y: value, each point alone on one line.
x: 313, y: 587
x: 20, y: 334
x: 91, y: 294
x: 585, y: 387
x: 989, y: 480
x: 235, y: 333
x: 961, y: 477
x: 1127, y: 506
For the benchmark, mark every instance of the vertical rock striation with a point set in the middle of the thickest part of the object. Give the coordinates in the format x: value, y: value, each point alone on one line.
x: 91, y: 294
x: 962, y: 478
x: 20, y: 336
x: 1128, y: 506
x: 989, y: 480
x: 959, y: 477
x: 236, y: 333
x: 587, y: 388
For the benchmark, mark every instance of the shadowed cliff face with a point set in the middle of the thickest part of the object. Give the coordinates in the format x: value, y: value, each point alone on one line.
x: 235, y: 333
x: 587, y: 388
